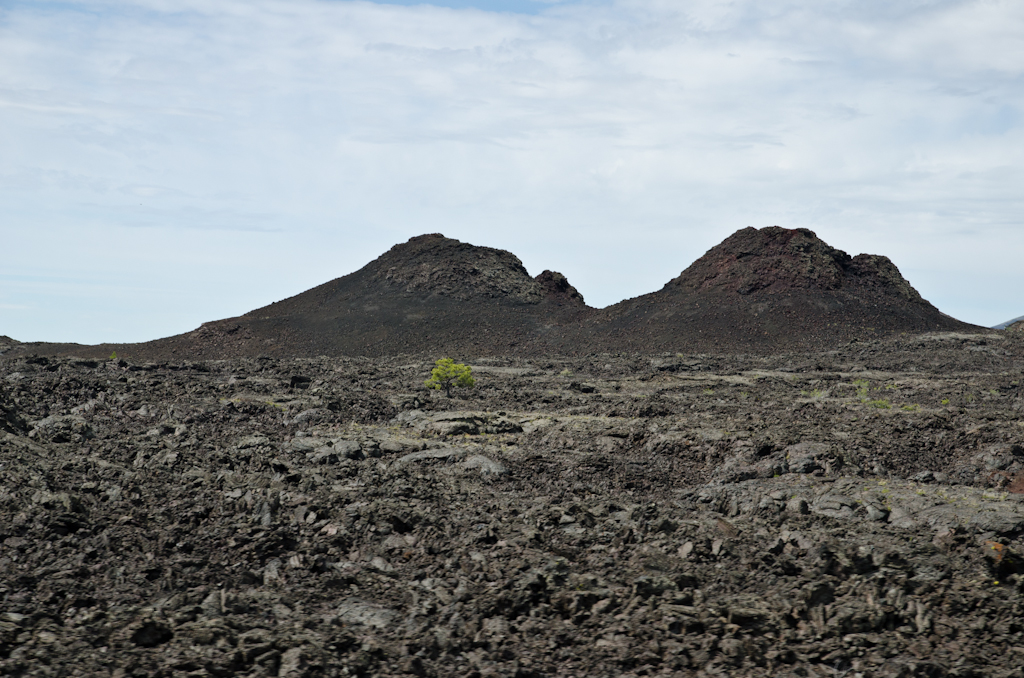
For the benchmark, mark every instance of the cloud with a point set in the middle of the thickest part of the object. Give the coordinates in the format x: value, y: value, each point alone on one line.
x: 512, y: 6
x: 614, y: 141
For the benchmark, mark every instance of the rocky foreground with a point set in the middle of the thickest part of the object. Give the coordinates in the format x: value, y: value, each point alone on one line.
x: 850, y: 513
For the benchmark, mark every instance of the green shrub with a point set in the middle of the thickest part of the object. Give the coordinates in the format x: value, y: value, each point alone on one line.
x: 862, y: 388
x: 448, y: 373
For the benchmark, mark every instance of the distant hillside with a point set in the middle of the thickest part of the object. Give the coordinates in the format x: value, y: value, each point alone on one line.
x: 758, y: 291
x: 1003, y: 326
x: 6, y: 343
x: 430, y: 294
x: 763, y: 289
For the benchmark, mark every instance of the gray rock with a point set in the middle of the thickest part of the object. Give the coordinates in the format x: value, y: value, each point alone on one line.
x: 349, y: 449
x: 999, y: 457
x: 835, y: 506
x: 797, y: 505
x: 213, y: 604
x: 408, y: 417
x: 902, y: 517
x: 426, y: 455
x: 63, y: 429
x: 294, y: 663
x: 308, y: 414
x: 363, y: 613
x: 252, y: 441
x: 876, y: 513
x: 485, y: 465
x: 323, y: 455
x: 307, y: 444
x: 454, y: 428
x: 393, y: 446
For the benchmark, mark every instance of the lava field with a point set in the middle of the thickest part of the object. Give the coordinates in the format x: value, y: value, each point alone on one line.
x: 852, y: 512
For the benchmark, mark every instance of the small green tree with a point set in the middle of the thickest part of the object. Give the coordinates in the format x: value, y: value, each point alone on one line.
x: 448, y: 373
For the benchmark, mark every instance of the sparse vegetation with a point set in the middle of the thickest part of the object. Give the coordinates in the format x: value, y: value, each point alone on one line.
x: 448, y: 373
x: 862, y: 386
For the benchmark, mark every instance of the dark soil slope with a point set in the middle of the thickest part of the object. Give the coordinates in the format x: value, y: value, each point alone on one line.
x: 431, y: 294
x: 771, y: 289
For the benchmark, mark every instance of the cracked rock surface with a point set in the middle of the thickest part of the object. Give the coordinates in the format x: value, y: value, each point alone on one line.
x: 855, y: 512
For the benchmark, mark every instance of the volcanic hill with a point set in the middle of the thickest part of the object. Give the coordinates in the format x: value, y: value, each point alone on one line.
x: 770, y: 288
x: 760, y: 290
x: 430, y: 293
x: 1016, y: 322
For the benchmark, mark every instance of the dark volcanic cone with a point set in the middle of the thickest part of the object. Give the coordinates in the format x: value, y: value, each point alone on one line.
x: 773, y: 288
x: 758, y: 291
x: 431, y: 294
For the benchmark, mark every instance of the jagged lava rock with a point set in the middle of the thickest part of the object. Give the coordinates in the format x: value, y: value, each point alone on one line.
x: 6, y: 343
x: 779, y: 260
x: 435, y: 265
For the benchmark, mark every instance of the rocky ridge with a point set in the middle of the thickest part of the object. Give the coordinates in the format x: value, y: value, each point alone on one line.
x: 779, y: 260
x: 435, y: 265
x: 6, y: 344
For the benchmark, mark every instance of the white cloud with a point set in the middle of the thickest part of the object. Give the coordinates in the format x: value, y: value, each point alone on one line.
x: 615, y: 142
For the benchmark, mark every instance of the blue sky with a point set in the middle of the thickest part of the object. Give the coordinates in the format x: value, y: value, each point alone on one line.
x: 163, y: 164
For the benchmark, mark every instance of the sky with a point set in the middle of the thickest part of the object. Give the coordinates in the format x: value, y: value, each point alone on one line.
x: 166, y: 163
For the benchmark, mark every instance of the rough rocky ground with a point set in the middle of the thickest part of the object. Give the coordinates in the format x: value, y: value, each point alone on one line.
x: 846, y: 513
